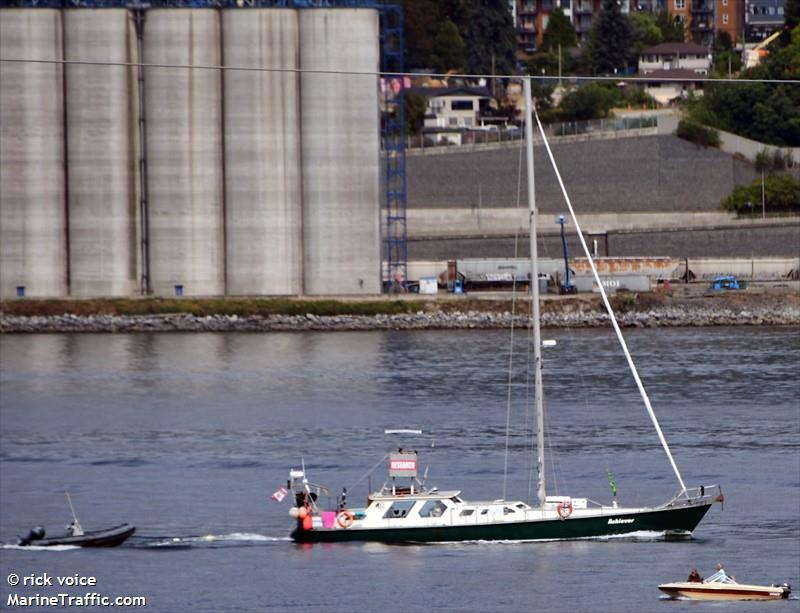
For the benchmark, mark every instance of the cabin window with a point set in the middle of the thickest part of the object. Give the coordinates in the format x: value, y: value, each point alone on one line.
x: 521, y: 506
x: 484, y: 511
x: 467, y: 512
x: 399, y: 509
x: 432, y: 508
x: 508, y: 510
x: 461, y: 105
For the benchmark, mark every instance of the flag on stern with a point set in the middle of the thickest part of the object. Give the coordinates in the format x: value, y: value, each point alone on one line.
x: 280, y: 494
x: 611, y: 483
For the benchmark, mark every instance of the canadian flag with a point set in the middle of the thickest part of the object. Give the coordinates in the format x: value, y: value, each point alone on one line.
x: 280, y: 494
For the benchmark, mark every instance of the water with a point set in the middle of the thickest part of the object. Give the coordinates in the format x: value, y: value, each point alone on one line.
x: 186, y: 436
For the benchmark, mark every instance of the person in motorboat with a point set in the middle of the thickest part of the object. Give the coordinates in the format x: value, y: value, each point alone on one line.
x: 74, y: 528
x: 720, y: 576
x: 694, y: 577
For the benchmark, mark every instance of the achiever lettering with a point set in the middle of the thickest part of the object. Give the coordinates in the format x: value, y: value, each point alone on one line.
x: 620, y: 521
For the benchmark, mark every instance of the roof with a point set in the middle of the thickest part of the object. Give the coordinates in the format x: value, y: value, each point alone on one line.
x: 677, y: 73
x: 438, y: 92
x: 674, y: 49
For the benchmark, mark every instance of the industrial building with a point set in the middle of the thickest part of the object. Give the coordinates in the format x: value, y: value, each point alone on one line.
x: 149, y: 152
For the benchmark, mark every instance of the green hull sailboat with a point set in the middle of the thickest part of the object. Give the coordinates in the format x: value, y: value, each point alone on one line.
x: 417, y: 513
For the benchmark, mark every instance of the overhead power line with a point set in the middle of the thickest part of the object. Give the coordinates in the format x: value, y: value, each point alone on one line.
x: 614, y: 78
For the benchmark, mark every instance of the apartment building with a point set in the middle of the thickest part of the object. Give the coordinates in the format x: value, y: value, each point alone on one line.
x: 707, y: 18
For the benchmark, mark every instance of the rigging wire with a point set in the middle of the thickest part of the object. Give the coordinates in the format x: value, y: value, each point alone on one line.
x: 366, y: 474
x: 607, y: 304
x: 510, y: 370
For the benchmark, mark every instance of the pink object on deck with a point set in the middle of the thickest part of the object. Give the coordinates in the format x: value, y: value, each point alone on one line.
x: 328, y: 517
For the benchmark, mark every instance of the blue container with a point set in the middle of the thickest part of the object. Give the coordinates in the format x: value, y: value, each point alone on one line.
x: 458, y: 286
x: 20, y: 291
x: 179, y: 290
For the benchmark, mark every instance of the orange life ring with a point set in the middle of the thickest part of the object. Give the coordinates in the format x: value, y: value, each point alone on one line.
x: 564, y: 509
x: 345, y: 519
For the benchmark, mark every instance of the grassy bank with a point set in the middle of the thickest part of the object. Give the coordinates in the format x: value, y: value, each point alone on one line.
x: 444, y: 303
x: 201, y: 307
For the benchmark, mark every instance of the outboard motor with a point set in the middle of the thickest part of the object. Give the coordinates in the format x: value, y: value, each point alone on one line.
x: 36, y: 534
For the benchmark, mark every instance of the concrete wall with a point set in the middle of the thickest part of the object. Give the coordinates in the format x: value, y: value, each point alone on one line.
x: 263, y: 200
x: 340, y: 166
x: 33, y: 251
x: 184, y: 152
x: 102, y: 153
x: 731, y: 143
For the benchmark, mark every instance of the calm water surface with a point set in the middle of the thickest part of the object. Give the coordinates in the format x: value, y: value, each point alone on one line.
x: 187, y: 435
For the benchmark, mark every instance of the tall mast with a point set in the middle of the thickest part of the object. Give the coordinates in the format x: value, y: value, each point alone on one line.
x: 537, y: 334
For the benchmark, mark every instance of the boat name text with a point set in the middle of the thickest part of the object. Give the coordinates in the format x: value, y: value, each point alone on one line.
x: 620, y: 521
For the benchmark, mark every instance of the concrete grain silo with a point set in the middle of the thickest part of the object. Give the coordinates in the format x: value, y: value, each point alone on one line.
x: 102, y: 153
x: 340, y: 151
x: 184, y: 152
x: 263, y: 213
x: 33, y: 253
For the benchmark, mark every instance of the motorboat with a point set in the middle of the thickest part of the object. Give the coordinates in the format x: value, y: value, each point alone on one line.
x: 412, y: 511
x: 109, y: 537
x: 720, y: 586
x: 76, y: 536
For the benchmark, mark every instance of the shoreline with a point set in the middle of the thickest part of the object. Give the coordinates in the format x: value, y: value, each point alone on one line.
x: 651, y: 310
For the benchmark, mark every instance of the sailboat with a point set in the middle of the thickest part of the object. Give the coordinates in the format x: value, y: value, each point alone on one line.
x: 415, y: 512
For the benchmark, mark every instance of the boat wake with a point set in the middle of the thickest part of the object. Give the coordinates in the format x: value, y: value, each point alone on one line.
x: 38, y: 548
x: 641, y: 535
x: 234, y: 539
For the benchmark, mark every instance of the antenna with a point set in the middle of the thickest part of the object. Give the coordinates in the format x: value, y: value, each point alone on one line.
x: 71, y: 508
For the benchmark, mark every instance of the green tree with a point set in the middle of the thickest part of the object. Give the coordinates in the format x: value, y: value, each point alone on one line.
x: 791, y: 17
x: 673, y: 30
x: 415, y: 108
x: 646, y: 33
x: 589, y: 101
x: 765, y: 112
x: 420, y: 23
x: 781, y: 195
x: 559, y: 31
x: 610, y: 40
x: 449, y: 50
x: 487, y: 29
x: 543, y: 63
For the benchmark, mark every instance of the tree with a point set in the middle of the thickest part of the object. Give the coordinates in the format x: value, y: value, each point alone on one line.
x: 589, y: 101
x: 766, y: 112
x: 488, y: 32
x: 544, y: 63
x: 484, y: 26
x: 672, y: 30
x: 791, y: 16
x: 610, y: 40
x: 559, y: 31
x: 646, y: 33
x: 420, y: 22
x: 449, y: 50
x: 415, y: 108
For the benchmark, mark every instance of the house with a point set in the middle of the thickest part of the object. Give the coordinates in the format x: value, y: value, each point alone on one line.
x: 453, y: 108
x: 667, y: 85
x: 675, y: 56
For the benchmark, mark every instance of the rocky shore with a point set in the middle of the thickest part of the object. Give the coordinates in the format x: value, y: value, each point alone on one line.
x: 565, y: 315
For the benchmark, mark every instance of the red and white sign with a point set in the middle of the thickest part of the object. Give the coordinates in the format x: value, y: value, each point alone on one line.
x: 402, y: 465
x: 279, y: 495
